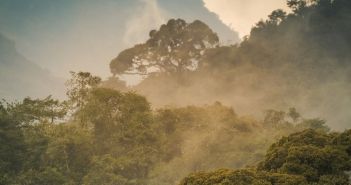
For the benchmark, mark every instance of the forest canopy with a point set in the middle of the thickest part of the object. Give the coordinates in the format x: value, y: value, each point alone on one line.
x: 115, y: 137
x: 187, y: 121
x: 307, y: 157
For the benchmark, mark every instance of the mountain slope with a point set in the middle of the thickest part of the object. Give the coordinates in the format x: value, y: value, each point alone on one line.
x: 20, y: 77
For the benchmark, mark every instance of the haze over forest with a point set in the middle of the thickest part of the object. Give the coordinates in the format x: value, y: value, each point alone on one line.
x: 175, y: 92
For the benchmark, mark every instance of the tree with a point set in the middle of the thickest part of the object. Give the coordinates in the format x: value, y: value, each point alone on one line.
x: 242, y: 177
x: 38, y: 110
x: 307, y: 157
x: 293, y: 114
x: 299, y: 5
x: 69, y: 150
x: 79, y: 86
x: 175, y: 48
x: 112, y: 112
x: 277, y: 16
x: 123, y: 128
x: 310, y: 154
x: 12, y: 146
x: 344, y: 141
x: 274, y: 118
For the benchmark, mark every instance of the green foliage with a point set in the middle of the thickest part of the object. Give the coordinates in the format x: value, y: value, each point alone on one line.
x: 69, y: 150
x: 214, y: 136
x: 58, y: 154
x: 31, y: 111
x: 105, y: 170
x: 307, y: 157
x: 12, y: 146
x: 309, y: 153
x: 124, y: 141
x: 242, y: 177
x: 344, y: 140
x: 79, y: 86
x: 123, y: 128
x: 124, y: 118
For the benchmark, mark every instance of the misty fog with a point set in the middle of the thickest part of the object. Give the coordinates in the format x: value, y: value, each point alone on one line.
x: 150, y: 92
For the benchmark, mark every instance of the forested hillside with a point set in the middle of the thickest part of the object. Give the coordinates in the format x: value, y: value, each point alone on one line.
x: 103, y: 136
x: 272, y: 110
x: 299, y: 59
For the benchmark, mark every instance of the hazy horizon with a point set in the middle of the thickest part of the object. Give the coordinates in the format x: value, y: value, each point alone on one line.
x: 165, y: 92
x: 63, y: 36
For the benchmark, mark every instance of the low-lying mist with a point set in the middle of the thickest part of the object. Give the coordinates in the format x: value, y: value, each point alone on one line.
x: 297, y: 60
x: 251, y: 90
x: 200, y: 106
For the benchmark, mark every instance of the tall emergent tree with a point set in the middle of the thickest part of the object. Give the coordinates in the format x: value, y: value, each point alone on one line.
x: 174, y: 48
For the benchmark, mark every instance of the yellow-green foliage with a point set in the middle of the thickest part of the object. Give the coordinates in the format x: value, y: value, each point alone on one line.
x: 103, y: 136
x: 307, y: 157
x: 242, y: 177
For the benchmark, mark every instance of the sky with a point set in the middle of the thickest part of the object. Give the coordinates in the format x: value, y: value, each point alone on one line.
x: 85, y: 35
x: 241, y: 15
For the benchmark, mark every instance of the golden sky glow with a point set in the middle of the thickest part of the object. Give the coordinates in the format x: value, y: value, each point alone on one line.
x: 241, y: 15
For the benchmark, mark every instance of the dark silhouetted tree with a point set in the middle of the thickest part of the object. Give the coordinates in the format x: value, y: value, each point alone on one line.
x: 175, y: 48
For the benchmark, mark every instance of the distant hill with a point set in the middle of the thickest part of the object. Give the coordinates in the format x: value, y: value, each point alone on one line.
x: 20, y: 77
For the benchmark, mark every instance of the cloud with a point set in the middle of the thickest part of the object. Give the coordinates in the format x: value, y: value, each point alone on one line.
x: 241, y: 15
x: 148, y: 16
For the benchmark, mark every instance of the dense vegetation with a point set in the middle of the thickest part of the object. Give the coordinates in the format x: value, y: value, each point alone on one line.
x: 103, y: 136
x: 308, y: 157
x: 106, y: 133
